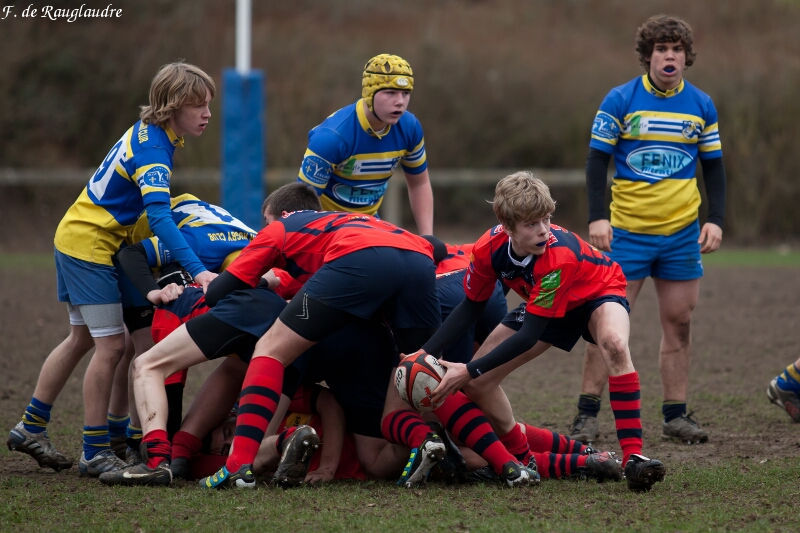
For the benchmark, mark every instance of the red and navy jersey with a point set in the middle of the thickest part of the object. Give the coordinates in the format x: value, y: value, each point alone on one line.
x: 457, y: 258
x: 568, y: 274
x: 167, y: 317
x: 302, y: 241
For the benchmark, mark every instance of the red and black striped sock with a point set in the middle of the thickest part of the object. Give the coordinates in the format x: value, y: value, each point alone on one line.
x: 516, y: 442
x: 405, y: 427
x: 258, y: 400
x: 467, y: 424
x: 558, y: 465
x: 185, y: 445
x: 544, y: 440
x: 157, y: 447
x: 282, y: 437
x: 626, y: 402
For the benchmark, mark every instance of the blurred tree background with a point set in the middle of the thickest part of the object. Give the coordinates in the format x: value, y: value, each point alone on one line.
x: 498, y: 83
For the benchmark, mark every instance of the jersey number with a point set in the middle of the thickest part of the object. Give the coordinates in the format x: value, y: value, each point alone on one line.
x: 102, y: 176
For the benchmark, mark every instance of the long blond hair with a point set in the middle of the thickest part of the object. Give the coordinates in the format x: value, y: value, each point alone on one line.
x: 174, y: 85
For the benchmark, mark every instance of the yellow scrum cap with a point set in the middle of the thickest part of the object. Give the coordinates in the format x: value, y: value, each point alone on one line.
x: 386, y: 71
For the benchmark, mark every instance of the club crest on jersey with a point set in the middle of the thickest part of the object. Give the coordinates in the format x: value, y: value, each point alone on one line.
x: 316, y: 170
x: 690, y: 129
x: 605, y: 126
x: 156, y: 177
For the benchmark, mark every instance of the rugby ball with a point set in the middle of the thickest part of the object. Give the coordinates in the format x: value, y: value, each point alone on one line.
x: 416, y: 377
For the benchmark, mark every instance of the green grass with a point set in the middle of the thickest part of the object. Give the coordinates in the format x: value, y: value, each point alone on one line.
x: 740, y: 495
x: 739, y: 257
x: 15, y: 261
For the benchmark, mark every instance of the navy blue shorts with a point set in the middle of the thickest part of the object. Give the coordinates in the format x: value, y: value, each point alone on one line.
x: 398, y: 285
x: 564, y: 332
x: 235, y: 324
x: 250, y: 310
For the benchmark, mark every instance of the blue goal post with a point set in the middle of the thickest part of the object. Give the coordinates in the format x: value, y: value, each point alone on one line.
x: 243, y: 157
x: 243, y: 101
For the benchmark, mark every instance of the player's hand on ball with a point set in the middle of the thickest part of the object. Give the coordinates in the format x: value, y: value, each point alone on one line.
x: 417, y: 375
x: 455, y: 377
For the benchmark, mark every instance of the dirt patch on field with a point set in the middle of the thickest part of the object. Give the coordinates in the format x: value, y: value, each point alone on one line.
x: 744, y: 333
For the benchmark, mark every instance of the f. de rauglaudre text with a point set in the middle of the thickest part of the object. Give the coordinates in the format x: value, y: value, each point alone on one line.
x: 50, y: 12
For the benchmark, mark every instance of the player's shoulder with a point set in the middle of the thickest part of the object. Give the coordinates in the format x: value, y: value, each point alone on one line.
x: 491, y: 239
x: 146, y: 136
x: 566, y: 247
x: 410, y: 118
x: 625, y: 91
x: 336, y: 133
x: 409, y: 127
x: 340, y: 119
x: 298, y: 219
x: 696, y: 92
x: 560, y: 235
x: 555, y: 228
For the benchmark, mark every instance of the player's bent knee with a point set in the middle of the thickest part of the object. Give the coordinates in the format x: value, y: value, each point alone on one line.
x: 146, y: 365
x: 614, y: 345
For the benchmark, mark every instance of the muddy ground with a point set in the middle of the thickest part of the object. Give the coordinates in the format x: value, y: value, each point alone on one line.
x: 745, y: 332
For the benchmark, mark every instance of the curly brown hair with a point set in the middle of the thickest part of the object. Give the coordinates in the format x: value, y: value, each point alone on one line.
x: 663, y: 29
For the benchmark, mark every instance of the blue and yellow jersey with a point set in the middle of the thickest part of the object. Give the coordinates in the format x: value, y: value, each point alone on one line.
x: 216, y: 236
x: 349, y: 165
x: 656, y: 139
x: 134, y: 177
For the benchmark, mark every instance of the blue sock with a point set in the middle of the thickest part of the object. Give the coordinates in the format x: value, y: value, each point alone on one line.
x: 789, y: 379
x: 95, y: 440
x: 133, y: 435
x: 117, y: 425
x: 673, y: 410
x: 589, y: 404
x: 36, y: 416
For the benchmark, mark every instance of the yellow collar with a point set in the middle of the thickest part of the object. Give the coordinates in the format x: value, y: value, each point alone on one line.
x: 174, y: 139
x: 655, y: 91
x: 364, y: 121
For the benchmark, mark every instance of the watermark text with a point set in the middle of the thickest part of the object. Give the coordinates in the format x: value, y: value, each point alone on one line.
x: 64, y: 14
